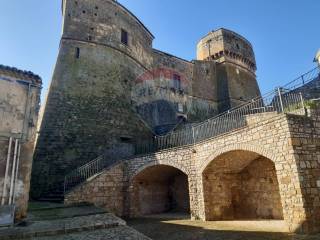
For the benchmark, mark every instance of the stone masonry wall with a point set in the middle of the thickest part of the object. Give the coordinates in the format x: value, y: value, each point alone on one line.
x: 105, y: 190
x: 88, y: 112
x: 267, y: 135
x: 305, y: 140
x: 242, y: 193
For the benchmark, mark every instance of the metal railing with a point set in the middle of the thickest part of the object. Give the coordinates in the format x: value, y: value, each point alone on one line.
x: 87, y: 171
x: 277, y: 102
x: 288, y: 99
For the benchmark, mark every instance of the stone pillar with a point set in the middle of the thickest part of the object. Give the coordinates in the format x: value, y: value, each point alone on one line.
x: 290, y: 192
x: 305, y: 142
x: 193, y: 195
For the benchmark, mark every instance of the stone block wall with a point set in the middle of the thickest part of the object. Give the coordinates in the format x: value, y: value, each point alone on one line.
x: 241, y: 185
x: 305, y: 141
x: 273, y: 162
x: 88, y: 112
x: 106, y: 190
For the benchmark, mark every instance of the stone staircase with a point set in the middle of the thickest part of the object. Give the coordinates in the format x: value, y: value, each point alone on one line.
x: 77, y: 222
x: 288, y: 99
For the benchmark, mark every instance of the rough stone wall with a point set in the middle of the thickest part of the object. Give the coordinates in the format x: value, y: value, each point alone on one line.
x: 290, y: 142
x: 235, y: 86
x: 101, y: 22
x: 241, y: 185
x: 159, y: 189
x: 258, y: 196
x: 236, y: 81
x: 305, y: 141
x: 88, y: 112
x: 180, y: 193
x: 225, y: 45
x: 105, y: 190
x: 19, y: 106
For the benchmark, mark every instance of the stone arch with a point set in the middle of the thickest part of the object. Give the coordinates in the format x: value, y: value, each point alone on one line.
x: 241, y: 182
x: 157, y: 188
x: 171, y: 163
x: 238, y: 147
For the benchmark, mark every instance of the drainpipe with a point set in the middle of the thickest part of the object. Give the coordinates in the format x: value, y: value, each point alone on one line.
x: 4, y: 192
x: 13, y: 170
x: 25, y: 112
x: 16, y: 175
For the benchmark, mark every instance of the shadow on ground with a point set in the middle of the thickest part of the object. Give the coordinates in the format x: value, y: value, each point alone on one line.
x: 167, y: 228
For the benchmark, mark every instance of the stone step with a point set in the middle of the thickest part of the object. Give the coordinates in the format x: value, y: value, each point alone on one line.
x: 38, y: 213
x: 116, y: 233
x: 62, y: 226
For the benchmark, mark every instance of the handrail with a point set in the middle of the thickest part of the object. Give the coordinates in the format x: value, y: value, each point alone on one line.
x: 287, y: 99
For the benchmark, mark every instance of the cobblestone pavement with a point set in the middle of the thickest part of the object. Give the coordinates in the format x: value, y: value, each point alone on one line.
x: 118, y: 233
x: 60, y: 212
x: 57, y: 222
x: 61, y: 226
x: 183, y: 229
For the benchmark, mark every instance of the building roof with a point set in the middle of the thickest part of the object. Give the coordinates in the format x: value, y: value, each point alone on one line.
x: 20, y: 74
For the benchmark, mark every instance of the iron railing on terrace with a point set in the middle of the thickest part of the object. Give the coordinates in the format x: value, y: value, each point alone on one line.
x: 287, y: 99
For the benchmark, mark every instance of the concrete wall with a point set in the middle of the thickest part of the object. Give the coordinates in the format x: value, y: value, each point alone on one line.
x: 19, y: 106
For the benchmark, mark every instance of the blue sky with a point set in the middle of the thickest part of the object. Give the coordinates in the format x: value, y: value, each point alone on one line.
x: 284, y: 33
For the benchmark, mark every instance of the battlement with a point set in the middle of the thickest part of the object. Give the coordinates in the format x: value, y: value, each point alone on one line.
x: 224, y: 45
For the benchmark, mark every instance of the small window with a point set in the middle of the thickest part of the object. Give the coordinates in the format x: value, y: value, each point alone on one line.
x: 77, y: 53
x: 124, y: 37
x: 176, y: 81
x: 180, y: 107
x: 126, y: 139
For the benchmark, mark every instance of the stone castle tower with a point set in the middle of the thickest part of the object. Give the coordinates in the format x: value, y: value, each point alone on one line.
x: 110, y: 88
x: 236, y: 66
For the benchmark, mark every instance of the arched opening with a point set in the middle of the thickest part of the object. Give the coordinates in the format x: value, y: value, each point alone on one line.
x: 241, y: 185
x: 160, y: 189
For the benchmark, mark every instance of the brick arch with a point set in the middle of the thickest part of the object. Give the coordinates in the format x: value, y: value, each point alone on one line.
x: 162, y: 163
x: 238, y: 147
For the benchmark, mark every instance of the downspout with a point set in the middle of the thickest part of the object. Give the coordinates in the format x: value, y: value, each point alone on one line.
x: 4, y: 192
x: 13, y: 170
x: 25, y: 112
x: 16, y: 176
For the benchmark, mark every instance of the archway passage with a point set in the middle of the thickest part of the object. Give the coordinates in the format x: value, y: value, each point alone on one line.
x: 241, y: 185
x: 160, y: 189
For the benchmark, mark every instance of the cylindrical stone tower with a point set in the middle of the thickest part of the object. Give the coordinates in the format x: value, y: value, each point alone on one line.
x: 236, y: 66
x: 88, y: 112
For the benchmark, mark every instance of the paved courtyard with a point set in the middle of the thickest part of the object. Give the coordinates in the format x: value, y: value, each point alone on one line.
x: 180, y: 228
x: 47, y: 221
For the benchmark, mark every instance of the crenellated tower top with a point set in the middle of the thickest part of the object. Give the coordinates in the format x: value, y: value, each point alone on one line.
x: 224, y: 45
